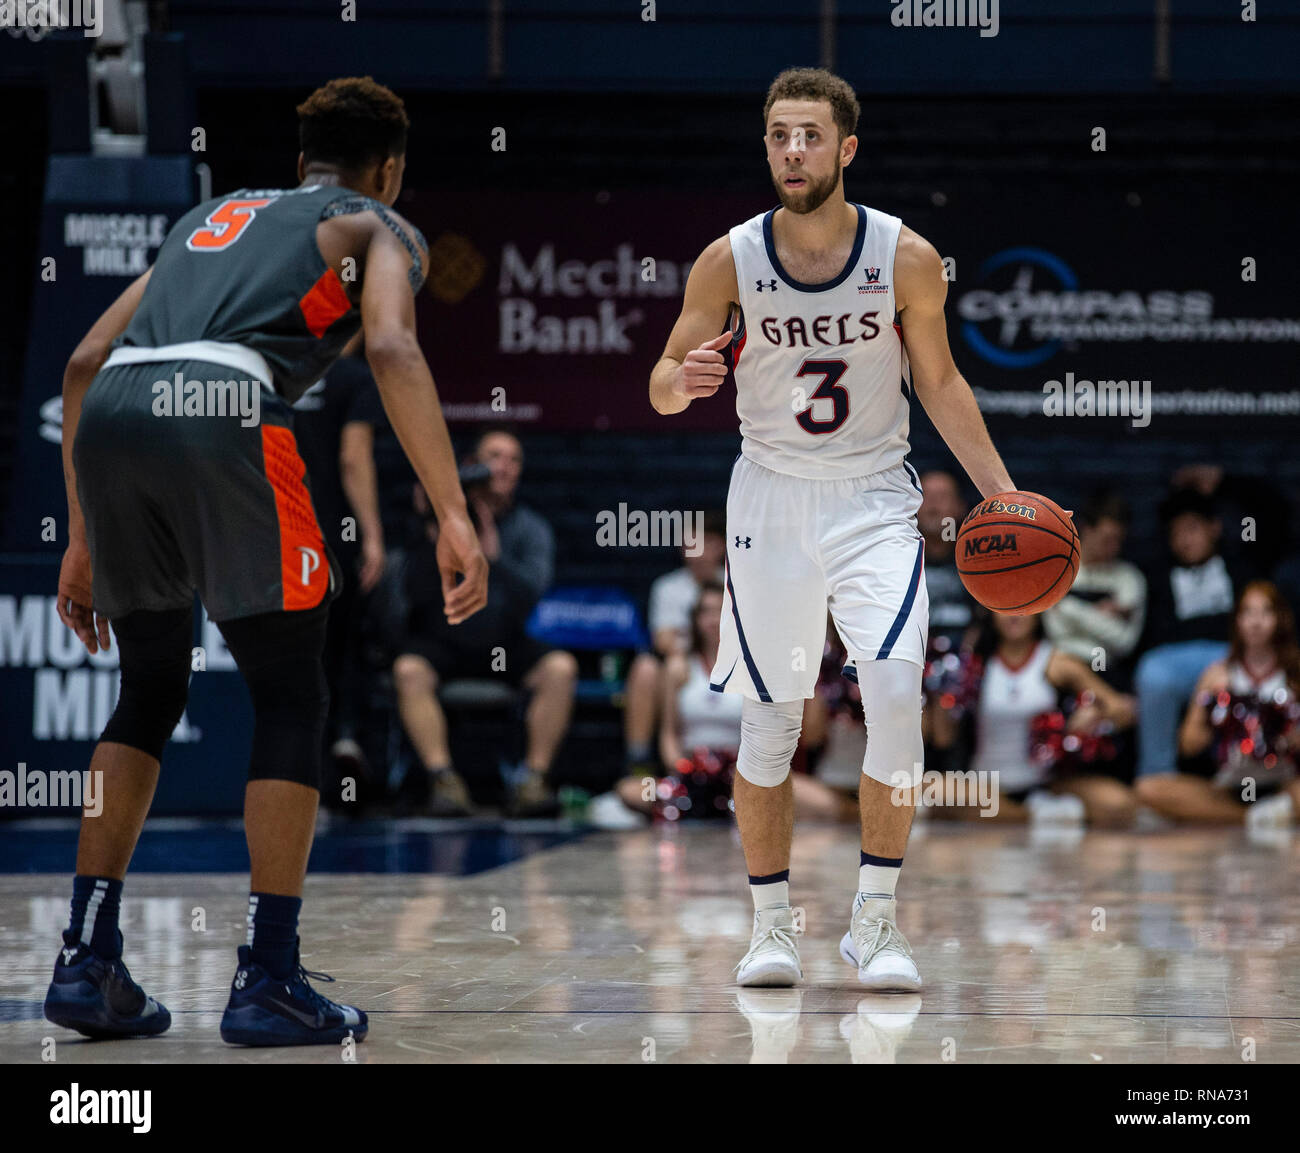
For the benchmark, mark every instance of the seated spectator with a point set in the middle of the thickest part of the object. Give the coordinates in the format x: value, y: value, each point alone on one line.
x: 1050, y: 756
x: 1235, y: 498
x: 698, y: 726
x: 699, y: 736
x: 491, y: 644
x: 1189, y: 614
x: 1105, y: 610
x: 672, y: 598
x: 833, y: 740
x: 334, y: 424
x: 939, y: 517
x: 1246, y: 715
x: 952, y: 610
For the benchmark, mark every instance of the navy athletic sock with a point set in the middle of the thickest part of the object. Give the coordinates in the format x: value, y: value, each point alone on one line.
x: 273, y: 932
x: 97, y: 901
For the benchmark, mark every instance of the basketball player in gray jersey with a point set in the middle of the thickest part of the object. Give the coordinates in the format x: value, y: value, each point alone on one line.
x: 822, y: 505
x: 172, y: 488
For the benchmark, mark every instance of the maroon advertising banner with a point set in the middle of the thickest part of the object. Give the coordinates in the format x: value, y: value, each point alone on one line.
x: 552, y: 310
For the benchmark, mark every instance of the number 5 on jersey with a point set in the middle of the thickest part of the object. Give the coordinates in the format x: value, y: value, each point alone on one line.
x: 225, y: 225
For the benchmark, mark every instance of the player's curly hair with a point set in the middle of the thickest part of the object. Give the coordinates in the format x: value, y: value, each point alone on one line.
x: 817, y: 84
x: 352, y: 122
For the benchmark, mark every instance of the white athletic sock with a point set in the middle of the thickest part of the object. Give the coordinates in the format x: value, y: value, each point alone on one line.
x: 773, y: 895
x: 876, y: 881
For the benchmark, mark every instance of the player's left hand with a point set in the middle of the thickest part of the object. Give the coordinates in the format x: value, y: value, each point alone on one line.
x: 459, y: 553
x: 373, y: 559
x: 75, y: 599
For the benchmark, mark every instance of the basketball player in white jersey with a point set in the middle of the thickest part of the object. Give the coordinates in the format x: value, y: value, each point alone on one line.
x: 822, y: 505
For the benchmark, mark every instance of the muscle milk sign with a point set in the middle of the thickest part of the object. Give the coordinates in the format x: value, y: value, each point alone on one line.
x: 73, y: 692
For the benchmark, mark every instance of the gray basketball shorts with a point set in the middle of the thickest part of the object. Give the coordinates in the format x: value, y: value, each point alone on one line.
x: 202, y: 493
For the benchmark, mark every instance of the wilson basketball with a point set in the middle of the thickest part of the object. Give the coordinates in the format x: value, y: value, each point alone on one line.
x: 1017, y: 553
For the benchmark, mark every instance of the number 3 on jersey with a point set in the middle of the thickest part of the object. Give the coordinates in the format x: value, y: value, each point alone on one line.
x: 830, y: 389
x: 225, y: 225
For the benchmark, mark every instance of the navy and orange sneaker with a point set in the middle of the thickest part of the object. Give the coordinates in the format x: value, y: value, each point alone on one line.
x: 97, y: 998
x: 264, y: 1011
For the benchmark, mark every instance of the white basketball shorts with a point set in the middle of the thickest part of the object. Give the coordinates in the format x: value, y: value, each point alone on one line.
x: 796, y: 547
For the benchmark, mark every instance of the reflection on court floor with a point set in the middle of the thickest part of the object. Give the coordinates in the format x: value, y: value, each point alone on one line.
x: 618, y: 947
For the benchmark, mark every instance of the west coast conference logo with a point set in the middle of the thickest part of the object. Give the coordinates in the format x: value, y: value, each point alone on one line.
x: 1029, y: 304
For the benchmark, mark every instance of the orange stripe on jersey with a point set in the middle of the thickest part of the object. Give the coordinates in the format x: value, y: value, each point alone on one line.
x: 324, y: 303
x: 304, y: 564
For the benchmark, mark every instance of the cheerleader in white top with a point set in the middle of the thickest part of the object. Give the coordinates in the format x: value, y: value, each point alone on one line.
x: 1041, y: 722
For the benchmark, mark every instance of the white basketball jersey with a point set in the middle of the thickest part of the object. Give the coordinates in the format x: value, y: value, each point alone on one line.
x: 822, y: 380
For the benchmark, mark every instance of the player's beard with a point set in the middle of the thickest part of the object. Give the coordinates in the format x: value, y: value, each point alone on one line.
x: 810, y: 198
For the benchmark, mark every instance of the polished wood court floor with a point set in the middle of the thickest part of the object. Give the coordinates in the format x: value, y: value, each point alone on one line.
x: 1173, y: 946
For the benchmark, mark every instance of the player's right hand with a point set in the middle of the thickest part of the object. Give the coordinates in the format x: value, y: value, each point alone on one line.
x: 704, y: 369
x: 459, y: 554
x: 75, y: 599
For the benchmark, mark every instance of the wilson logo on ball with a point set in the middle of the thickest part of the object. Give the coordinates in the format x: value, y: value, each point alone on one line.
x: 994, y: 505
x: 994, y: 543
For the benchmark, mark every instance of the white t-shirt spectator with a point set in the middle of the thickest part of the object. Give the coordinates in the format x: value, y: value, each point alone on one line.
x: 1077, y: 626
x: 672, y: 597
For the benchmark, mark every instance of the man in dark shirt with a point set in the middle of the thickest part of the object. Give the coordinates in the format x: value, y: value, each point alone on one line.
x: 334, y: 422
x: 951, y: 607
x: 520, y: 548
x: 1188, y: 622
x: 940, y: 515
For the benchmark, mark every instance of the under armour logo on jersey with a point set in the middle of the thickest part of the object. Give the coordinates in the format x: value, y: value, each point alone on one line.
x: 873, y: 275
x: 310, y: 562
x: 743, y: 543
x: 771, y: 285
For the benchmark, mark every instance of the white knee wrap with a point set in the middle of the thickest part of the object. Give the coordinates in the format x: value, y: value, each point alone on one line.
x: 891, y: 703
x: 768, y: 736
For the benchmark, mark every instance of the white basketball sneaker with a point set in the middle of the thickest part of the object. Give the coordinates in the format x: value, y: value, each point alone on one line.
x: 1271, y: 813
x: 773, y: 957
x: 1059, y: 809
x: 881, y: 953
